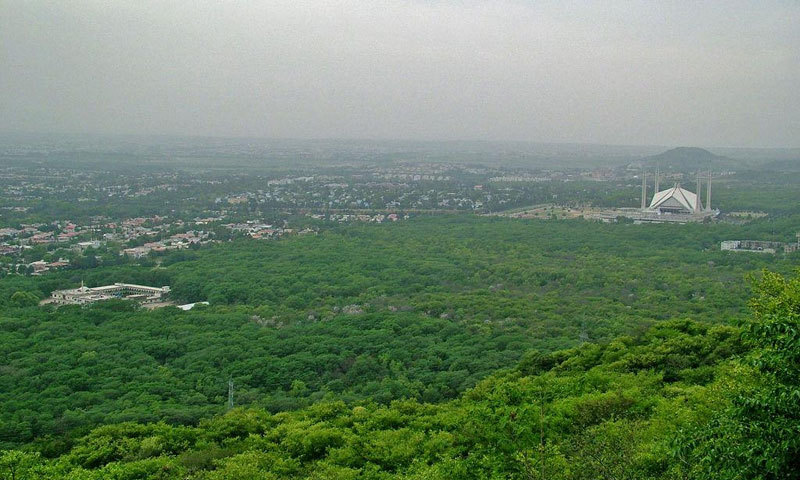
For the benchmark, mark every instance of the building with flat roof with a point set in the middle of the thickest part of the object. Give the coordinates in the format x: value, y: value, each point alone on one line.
x: 84, y: 295
x: 760, y: 246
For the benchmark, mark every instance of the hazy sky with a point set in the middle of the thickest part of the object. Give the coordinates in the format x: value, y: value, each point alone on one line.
x: 651, y: 72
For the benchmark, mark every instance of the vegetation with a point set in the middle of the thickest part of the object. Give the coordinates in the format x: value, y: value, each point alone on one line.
x: 352, y: 313
x: 682, y: 400
x: 447, y: 347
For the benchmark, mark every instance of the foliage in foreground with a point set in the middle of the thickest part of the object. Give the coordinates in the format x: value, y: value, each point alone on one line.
x: 686, y: 400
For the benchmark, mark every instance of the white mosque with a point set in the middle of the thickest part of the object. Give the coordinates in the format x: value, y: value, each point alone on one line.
x: 676, y: 200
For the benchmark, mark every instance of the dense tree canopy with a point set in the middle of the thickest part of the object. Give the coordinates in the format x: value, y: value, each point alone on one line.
x: 421, y: 310
x: 621, y: 409
x: 453, y: 347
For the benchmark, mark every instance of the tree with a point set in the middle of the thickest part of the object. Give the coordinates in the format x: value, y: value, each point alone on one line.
x: 16, y: 464
x: 758, y: 434
x: 24, y: 299
x: 606, y: 452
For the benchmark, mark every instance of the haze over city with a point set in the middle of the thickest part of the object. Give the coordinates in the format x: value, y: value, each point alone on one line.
x: 639, y: 73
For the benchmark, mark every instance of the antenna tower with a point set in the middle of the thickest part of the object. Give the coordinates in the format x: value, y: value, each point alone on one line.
x: 230, y: 393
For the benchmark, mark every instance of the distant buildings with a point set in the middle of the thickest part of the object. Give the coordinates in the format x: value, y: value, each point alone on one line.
x: 82, y: 246
x: 759, y: 246
x: 86, y: 295
x: 41, y: 266
x: 137, y: 252
x: 793, y: 247
x: 175, y: 242
x: 6, y: 249
x: 42, y: 238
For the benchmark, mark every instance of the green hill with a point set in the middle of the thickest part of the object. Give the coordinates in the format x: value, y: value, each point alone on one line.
x: 689, y: 159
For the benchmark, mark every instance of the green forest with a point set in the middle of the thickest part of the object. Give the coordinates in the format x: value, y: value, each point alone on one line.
x: 684, y: 399
x: 447, y: 347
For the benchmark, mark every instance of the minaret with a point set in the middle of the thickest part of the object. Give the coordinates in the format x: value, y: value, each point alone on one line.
x: 656, y: 185
x: 708, y: 193
x: 697, y: 207
x: 644, y: 189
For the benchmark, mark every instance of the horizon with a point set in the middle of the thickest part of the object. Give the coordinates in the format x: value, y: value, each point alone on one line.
x: 167, y: 136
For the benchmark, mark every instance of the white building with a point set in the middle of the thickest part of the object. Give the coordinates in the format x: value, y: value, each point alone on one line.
x: 190, y: 306
x: 90, y: 244
x: 729, y: 245
x: 84, y: 295
x: 675, y: 200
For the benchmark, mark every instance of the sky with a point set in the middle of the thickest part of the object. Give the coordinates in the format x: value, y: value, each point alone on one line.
x: 705, y: 73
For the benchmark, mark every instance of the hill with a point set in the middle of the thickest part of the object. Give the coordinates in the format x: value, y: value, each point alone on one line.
x: 689, y: 159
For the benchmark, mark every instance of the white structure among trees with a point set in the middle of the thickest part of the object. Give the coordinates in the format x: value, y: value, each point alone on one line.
x: 84, y: 295
x: 677, y: 200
